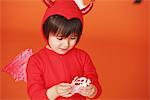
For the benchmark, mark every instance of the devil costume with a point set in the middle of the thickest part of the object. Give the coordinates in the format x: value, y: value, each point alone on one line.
x: 47, y: 68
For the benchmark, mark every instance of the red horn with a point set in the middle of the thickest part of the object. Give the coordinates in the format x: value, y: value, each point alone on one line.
x: 48, y: 3
x: 87, y: 8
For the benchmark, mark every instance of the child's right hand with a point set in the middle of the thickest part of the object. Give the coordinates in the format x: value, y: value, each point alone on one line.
x: 64, y: 90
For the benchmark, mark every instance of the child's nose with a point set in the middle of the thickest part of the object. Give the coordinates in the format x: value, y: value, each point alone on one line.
x: 66, y: 43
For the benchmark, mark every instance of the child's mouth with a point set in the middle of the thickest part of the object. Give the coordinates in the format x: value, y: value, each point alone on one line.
x: 63, y: 49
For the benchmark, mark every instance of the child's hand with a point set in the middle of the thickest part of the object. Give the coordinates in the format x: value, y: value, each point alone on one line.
x: 89, y: 91
x: 64, y: 89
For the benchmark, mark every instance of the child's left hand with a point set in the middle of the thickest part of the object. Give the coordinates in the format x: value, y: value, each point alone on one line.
x: 89, y: 91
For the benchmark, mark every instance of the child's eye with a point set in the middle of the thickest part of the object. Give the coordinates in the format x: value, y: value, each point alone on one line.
x: 73, y: 38
x: 59, y: 38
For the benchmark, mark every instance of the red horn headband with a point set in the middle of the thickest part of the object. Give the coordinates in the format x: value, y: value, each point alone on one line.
x: 67, y: 8
x: 84, y: 10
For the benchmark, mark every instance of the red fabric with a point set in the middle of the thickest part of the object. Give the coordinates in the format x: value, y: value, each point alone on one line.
x: 46, y: 68
x: 66, y: 8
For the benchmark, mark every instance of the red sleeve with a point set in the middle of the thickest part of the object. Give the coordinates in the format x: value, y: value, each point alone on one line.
x: 90, y: 72
x: 35, y: 82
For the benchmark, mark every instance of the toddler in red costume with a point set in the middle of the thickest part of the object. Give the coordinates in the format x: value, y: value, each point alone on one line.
x: 51, y: 70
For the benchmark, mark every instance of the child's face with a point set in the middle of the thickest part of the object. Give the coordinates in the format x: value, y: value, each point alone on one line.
x: 60, y: 44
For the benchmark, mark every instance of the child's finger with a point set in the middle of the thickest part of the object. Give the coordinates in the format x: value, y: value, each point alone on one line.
x: 66, y: 93
x: 83, y: 93
x: 87, y: 92
x: 63, y: 89
x: 65, y: 84
x: 88, y: 88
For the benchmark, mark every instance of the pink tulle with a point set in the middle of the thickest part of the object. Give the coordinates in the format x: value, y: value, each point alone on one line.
x: 17, y: 67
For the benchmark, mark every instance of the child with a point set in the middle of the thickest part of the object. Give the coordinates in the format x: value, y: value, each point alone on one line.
x: 51, y: 70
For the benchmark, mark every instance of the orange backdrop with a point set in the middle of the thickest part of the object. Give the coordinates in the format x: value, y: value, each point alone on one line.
x: 115, y: 35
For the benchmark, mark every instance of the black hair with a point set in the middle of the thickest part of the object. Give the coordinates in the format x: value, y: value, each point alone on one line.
x: 58, y: 25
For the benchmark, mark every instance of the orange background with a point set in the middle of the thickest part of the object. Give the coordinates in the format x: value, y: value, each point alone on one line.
x: 115, y: 36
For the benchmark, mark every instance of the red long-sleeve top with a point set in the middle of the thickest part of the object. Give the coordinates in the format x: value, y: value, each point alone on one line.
x: 47, y: 68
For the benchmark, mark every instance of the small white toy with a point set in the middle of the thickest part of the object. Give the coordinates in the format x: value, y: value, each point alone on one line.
x: 77, y: 83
